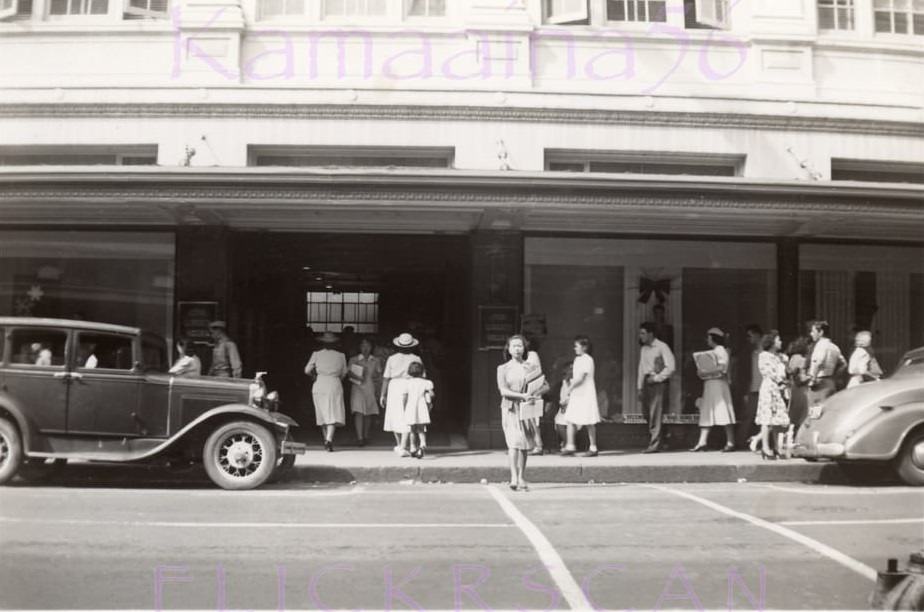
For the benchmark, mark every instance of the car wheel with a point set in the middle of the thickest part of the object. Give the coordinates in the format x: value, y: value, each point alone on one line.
x: 41, y: 470
x: 910, y: 461
x: 10, y: 450
x: 239, y: 455
x: 283, y: 465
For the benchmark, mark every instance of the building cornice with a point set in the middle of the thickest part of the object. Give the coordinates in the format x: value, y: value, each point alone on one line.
x: 368, y: 112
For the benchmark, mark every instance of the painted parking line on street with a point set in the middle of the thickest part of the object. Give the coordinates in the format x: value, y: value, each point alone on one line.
x: 822, y: 549
x: 564, y: 580
x: 264, y: 525
x: 841, y: 490
x: 898, y: 521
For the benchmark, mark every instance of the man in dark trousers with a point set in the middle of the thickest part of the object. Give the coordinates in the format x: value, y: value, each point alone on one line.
x: 655, y: 367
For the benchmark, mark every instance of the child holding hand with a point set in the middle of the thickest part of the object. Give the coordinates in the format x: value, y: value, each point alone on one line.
x: 418, y: 401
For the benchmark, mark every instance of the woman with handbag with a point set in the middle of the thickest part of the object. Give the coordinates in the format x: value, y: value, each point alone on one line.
x: 514, y: 384
x: 772, y: 407
x: 716, y: 406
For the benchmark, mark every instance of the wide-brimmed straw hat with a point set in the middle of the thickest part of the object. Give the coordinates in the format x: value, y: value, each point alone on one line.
x: 405, y: 340
x: 327, y: 338
x: 715, y: 331
x: 217, y: 325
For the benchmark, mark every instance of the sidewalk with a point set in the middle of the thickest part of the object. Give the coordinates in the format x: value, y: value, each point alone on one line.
x: 467, y: 466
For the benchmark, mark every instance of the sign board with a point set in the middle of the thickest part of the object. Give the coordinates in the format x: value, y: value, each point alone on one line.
x: 495, y: 325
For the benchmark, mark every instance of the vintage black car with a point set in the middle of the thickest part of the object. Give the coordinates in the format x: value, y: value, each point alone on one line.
x: 74, y: 390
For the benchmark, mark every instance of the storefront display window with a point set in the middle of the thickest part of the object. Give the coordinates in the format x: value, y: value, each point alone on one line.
x: 875, y: 288
x: 123, y: 278
x: 607, y: 288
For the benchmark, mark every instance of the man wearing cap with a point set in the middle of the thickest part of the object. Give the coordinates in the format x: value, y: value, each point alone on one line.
x: 226, y: 361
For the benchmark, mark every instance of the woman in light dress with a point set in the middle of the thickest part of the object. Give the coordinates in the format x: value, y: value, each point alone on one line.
x: 393, y: 388
x: 716, y: 408
x: 364, y: 389
x: 862, y: 366
x: 328, y: 367
x: 772, y: 408
x: 519, y: 428
x: 583, y: 409
x: 188, y: 364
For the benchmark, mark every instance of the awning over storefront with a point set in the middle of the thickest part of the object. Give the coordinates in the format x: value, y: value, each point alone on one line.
x: 429, y: 201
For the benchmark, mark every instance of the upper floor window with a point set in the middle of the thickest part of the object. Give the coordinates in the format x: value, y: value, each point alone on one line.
x: 644, y: 162
x: 899, y: 16
x: 68, y: 155
x: 426, y: 8
x: 876, y: 171
x: 835, y: 15
x: 78, y: 7
x: 61, y: 9
x: 355, y: 8
x: 697, y: 13
x: 351, y: 157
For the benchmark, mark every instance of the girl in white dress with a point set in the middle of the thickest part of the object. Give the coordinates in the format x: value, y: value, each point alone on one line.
x: 418, y: 400
x: 393, y: 385
x: 583, y: 410
x: 329, y: 367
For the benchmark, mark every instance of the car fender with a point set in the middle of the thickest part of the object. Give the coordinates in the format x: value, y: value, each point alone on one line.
x: 881, y: 437
x: 12, y: 407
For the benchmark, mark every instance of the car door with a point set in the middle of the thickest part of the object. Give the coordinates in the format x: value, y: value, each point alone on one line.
x: 105, y: 385
x: 36, y: 377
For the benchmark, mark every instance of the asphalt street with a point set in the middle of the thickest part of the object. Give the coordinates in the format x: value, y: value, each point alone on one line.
x: 435, y: 547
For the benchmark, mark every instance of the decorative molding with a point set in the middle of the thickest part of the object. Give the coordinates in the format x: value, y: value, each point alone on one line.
x: 306, y: 112
x: 224, y: 197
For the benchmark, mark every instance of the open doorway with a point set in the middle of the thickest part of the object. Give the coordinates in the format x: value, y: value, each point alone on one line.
x: 288, y: 287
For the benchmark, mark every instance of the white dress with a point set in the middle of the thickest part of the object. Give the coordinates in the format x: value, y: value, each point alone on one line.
x: 582, y: 406
x: 416, y: 406
x: 717, y: 406
x: 396, y: 371
x: 327, y: 390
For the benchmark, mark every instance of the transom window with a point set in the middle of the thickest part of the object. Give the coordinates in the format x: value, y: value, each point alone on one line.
x: 644, y: 162
x: 899, y: 16
x: 636, y: 10
x: 351, y: 157
x: 69, y: 155
x: 334, y: 310
x: 78, y: 7
x: 835, y: 15
x: 276, y: 8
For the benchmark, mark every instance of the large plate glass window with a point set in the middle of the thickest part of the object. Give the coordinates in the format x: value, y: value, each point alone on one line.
x: 125, y: 278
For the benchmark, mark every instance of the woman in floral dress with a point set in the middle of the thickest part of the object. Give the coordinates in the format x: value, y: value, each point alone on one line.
x: 772, y: 406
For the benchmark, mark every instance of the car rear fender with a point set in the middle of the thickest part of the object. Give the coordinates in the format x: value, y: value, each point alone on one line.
x: 882, y: 436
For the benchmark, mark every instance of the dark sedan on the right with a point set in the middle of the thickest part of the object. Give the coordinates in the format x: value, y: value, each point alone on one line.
x: 876, y: 422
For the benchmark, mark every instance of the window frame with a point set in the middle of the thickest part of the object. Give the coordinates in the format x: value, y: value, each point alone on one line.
x: 406, y: 11
x: 128, y: 9
x: 255, y: 152
x: 717, y: 17
x: 62, y: 366
x: 636, y: 22
x: 78, y: 336
x: 707, y: 160
x: 9, y: 9
x: 119, y: 154
x: 575, y: 17
x: 356, y: 322
x: 892, y: 12
x: 835, y: 7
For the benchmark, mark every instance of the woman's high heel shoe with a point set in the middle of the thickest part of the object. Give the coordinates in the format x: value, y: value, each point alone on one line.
x: 699, y: 448
x: 770, y: 456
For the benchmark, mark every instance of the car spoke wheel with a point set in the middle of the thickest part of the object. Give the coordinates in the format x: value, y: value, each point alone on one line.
x: 10, y: 450
x: 240, y: 455
x: 910, y: 461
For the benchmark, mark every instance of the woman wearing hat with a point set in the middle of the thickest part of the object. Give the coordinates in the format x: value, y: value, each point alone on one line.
x: 393, y: 385
x: 716, y: 408
x: 328, y: 366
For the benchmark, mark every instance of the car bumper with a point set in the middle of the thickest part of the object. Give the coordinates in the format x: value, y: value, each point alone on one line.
x: 811, y: 446
x: 289, y: 447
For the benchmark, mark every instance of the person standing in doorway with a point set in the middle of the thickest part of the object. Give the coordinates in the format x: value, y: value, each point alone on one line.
x: 583, y: 409
x: 655, y: 367
x: 393, y: 388
x: 365, y: 375
x: 226, y: 361
x: 824, y: 364
x: 716, y: 408
x: 747, y: 432
x: 328, y: 367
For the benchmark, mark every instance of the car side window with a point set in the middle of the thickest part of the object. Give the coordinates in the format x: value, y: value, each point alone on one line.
x: 37, y: 347
x: 104, y: 352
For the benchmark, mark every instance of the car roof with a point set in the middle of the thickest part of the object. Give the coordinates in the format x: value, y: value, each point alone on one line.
x: 917, y: 353
x: 68, y: 323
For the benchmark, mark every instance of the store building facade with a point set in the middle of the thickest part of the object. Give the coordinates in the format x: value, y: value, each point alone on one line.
x: 467, y: 170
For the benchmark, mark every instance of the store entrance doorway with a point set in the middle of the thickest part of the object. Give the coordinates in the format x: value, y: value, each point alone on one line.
x: 290, y: 287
